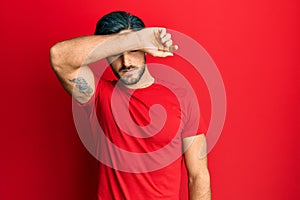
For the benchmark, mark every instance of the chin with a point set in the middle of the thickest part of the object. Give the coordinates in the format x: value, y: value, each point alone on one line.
x: 130, y: 82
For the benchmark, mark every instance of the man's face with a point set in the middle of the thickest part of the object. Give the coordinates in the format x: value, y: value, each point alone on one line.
x: 128, y: 66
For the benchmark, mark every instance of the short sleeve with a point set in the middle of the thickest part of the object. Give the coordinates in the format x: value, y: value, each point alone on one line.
x: 193, y: 121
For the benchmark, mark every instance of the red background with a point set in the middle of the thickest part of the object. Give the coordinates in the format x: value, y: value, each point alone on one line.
x: 255, y: 44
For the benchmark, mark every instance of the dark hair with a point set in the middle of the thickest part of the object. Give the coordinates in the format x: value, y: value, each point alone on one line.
x: 115, y: 22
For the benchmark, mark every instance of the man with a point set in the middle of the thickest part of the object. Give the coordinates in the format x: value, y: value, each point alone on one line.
x: 124, y: 41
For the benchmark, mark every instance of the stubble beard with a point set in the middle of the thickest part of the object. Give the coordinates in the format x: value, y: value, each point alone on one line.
x: 132, y: 79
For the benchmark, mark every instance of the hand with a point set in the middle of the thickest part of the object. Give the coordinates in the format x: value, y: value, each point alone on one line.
x: 156, y: 42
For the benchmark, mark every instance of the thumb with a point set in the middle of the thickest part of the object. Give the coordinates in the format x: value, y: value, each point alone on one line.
x: 163, y: 54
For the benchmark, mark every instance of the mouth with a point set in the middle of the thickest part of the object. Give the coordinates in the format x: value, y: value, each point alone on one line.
x: 128, y: 70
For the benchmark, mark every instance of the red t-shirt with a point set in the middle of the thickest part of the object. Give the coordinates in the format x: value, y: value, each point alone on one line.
x: 140, y: 148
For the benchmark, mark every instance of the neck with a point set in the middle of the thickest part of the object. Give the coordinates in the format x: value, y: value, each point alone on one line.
x: 146, y: 80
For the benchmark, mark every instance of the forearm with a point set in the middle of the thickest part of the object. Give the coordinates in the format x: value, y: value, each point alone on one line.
x: 199, y: 187
x: 84, y: 50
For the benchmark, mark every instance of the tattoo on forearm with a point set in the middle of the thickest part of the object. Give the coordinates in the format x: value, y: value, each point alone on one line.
x: 82, y: 85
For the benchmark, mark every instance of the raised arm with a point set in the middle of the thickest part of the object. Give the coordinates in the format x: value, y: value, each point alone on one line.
x: 196, y: 162
x: 70, y: 58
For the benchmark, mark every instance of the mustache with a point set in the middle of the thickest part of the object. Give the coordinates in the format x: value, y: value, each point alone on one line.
x: 125, y: 68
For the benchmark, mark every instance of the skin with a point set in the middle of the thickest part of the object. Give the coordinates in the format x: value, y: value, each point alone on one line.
x: 131, y: 69
x: 125, y: 51
x: 196, y: 163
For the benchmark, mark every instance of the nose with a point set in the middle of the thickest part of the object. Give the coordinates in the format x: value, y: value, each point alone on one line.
x: 126, y: 59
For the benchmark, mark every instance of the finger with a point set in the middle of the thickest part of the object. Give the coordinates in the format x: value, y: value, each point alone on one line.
x: 173, y: 48
x: 166, y: 38
x: 163, y: 54
x: 166, y: 47
x: 163, y: 32
x: 168, y: 43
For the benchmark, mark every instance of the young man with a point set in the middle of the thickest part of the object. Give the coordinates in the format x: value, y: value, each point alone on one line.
x: 124, y: 41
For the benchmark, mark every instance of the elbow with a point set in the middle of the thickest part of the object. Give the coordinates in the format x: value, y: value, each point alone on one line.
x: 203, y: 177
x: 55, y: 57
